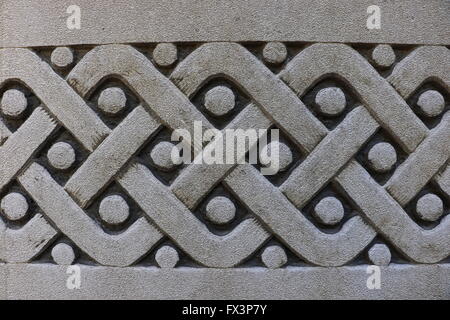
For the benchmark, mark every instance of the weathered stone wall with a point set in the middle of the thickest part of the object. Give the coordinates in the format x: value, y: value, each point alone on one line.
x: 92, y: 205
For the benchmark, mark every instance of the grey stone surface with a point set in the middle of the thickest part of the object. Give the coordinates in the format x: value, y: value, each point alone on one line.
x: 274, y: 257
x: 275, y: 52
x: 383, y: 55
x: 114, y: 210
x: 430, y: 207
x: 13, y: 103
x: 62, y: 57
x: 331, y: 101
x: 284, y: 155
x: 329, y: 211
x: 219, y: 100
x: 380, y: 255
x: 165, y: 54
x: 63, y: 254
x: 49, y: 281
x: 220, y: 210
x: 88, y: 182
x: 431, y: 103
x: 382, y: 157
x: 161, y: 155
x: 233, y: 20
x: 167, y: 257
x: 112, y: 100
x: 14, y: 206
x: 61, y: 156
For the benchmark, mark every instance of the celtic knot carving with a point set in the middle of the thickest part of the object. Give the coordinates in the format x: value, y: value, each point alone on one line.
x: 275, y: 210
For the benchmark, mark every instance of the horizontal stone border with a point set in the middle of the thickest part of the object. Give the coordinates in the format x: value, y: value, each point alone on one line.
x: 44, y: 281
x: 25, y: 23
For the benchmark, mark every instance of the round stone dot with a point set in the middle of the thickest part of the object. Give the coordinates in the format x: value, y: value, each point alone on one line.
x: 274, y: 257
x: 331, y: 101
x: 275, y: 52
x: 165, y: 54
x: 161, y: 155
x: 114, y: 210
x: 431, y: 103
x: 430, y: 207
x: 219, y: 100
x: 167, y: 257
x: 61, y: 155
x: 14, y: 206
x: 62, y: 57
x: 329, y: 211
x: 220, y: 210
x: 380, y: 255
x: 13, y: 103
x: 383, y: 55
x: 112, y: 100
x: 382, y: 157
x: 284, y: 155
x: 63, y: 254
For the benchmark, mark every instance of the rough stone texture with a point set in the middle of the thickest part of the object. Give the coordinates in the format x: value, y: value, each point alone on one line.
x: 61, y: 156
x: 252, y: 283
x: 380, y: 255
x: 430, y: 207
x: 13, y: 103
x: 114, y: 210
x: 167, y: 257
x: 165, y: 54
x: 14, y: 206
x: 329, y: 211
x: 62, y: 57
x: 63, y: 254
x: 382, y: 157
x: 87, y: 179
x: 161, y: 155
x: 233, y: 20
x: 330, y: 101
x: 284, y: 155
x: 275, y: 52
x: 274, y: 257
x: 112, y: 100
x: 431, y: 103
x: 220, y: 210
x: 219, y: 100
x: 383, y: 55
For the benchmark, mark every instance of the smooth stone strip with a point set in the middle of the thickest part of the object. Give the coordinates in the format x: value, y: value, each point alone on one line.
x: 43, y: 23
x: 398, y: 281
